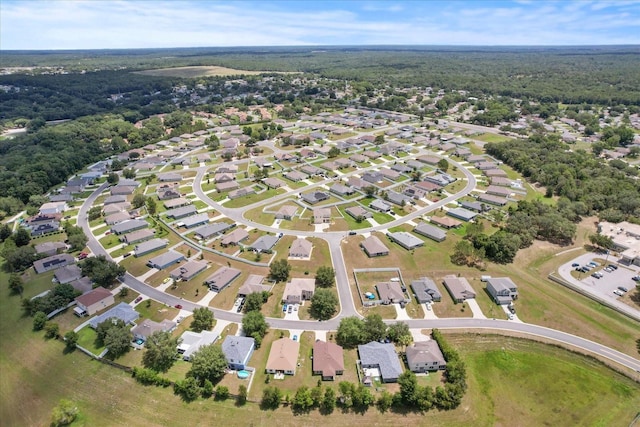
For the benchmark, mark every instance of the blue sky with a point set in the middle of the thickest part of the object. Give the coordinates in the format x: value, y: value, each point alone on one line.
x: 94, y: 24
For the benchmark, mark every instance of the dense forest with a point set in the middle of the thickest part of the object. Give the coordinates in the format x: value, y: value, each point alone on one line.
x: 602, y: 75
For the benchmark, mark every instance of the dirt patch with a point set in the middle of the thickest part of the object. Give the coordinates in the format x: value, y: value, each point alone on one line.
x: 201, y: 71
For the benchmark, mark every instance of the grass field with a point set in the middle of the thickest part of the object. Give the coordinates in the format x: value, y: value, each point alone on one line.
x: 200, y: 71
x: 492, y: 137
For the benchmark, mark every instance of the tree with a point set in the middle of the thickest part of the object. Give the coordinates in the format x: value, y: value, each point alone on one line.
x: 408, y: 388
x: 207, y: 389
x: 443, y: 165
x: 71, y: 339
x: 188, y: 389
x: 328, y: 401
x: 242, y: 395
x: 302, y: 401
x: 94, y: 213
x: 324, y: 304
x: 77, y: 241
x: 138, y: 201
x: 370, y: 190
x: 350, y: 332
x: 362, y: 397
x: 15, y: 284
x: 129, y: 173
x: 202, y: 319
x: 374, y: 328
x: 379, y: 139
x: 51, y: 330
x: 18, y: 258
x: 64, y: 414
x: 208, y: 363
x: 399, y: 333
x: 160, y: 351
x: 279, y: 270
x: 254, y: 323
x: 21, y: 237
x: 325, y: 276
x: 254, y: 301
x: 39, y: 320
x: 333, y: 152
x: 5, y: 232
x: 271, y: 398
x: 117, y: 338
x: 102, y: 271
x: 222, y: 392
x: 385, y: 400
x: 113, y: 178
x: 152, y: 206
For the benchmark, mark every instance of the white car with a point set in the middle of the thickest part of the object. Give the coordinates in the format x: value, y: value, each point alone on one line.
x: 618, y: 292
x: 428, y: 306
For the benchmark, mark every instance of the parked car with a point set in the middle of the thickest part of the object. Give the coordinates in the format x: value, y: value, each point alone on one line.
x: 615, y: 267
x: 284, y: 308
x: 618, y: 292
x: 178, y: 306
x: 295, y: 338
x: 623, y: 289
x: 137, y: 300
x: 575, y: 264
x: 636, y: 278
x: 594, y: 264
x: 83, y: 255
x: 289, y: 309
x: 596, y: 275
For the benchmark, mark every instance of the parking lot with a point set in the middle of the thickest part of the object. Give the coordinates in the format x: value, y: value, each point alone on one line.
x: 608, y: 282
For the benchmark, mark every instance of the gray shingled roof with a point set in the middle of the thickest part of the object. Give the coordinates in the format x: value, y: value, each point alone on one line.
x: 236, y: 348
x: 382, y: 355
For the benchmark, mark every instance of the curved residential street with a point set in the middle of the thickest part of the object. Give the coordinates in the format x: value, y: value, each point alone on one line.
x: 347, y: 305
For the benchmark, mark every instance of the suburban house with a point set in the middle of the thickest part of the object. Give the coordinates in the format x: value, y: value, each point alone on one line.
x: 286, y: 212
x: 238, y: 351
x: 165, y: 260
x: 283, y: 357
x: 252, y: 285
x: 122, y: 311
x: 341, y: 190
x: 390, y: 292
x: 93, y: 301
x: 116, y: 207
x: 68, y: 273
x: 52, y: 262
x: 372, y: 177
x: 382, y: 357
x: 192, y: 341
x: 389, y: 174
x: 49, y: 248
x: 493, y: 200
x: 475, y: 206
x: 241, y: 192
x: 358, y: 212
x: 210, y: 230
x: 462, y: 213
x: 357, y: 183
x: 298, y: 290
x: 426, y: 290
x: 129, y: 226
x: 430, y: 231
x: 181, y: 212
x: 264, y: 243
x: 170, y: 177
x: 498, y: 191
x: 188, y: 270
x: 52, y: 208
x: 322, y: 215
x: 301, y: 248
x: 315, y: 197
x: 138, y: 236
x: 295, y: 176
x: 222, y: 278
x: 429, y: 160
x: 235, y: 237
x: 176, y: 203
x: 227, y: 186
x: 194, y: 220
x: 406, y: 240
x: 380, y: 206
x: 115, y: 200
x: 148, y: 327
x: 273, y: 182
x: 441, y: 179
x: 502, y: 290
x: 122, y: 190
x: 445, y: 222
x: 117, y: 217
x: 328, y: 360
x: 374, y: 247
x: 459, y: 288
x: 398, y: 198
x: 149, y: 246
x: 425, y: 356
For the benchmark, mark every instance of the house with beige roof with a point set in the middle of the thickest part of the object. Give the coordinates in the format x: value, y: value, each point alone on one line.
x: 188, y: 270
x: 424, y: 356
x: 283, y: 357
x: 374, y: 247
x: 93, y: 301
x: 301, y: 248
x: 286, y: 212
x: 298, y: 290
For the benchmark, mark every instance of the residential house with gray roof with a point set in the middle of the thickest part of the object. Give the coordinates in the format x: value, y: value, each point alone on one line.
x: 358, y: 212
x: 235, y: 237
x: 406, y: 240
x: 430, y: 231
x: 181, y: 212
x: 374, y: 247
x: 213, y: 229
x: 138, y: 236
x: 264, y: 243
x: 462, y: 213
x: 382, y: 357
x: 222, y: 278
x: 148, y: 246
x: 191, y: 342
x: 426, y: 290
x: 390, y: 292
x: 380, y: 206
x: 502, y: 290
x: 295, y: 176
x: 129, y: 226
x: 459, y: 288
x: 188, y: 270
x: 122, y: 311
x: 195, y: 220
x: 315, y: 197
x: 238, y: 350
x: 52, y: 262
x: 68, y: 273
x: 164, y: 260
x: 425, y: 356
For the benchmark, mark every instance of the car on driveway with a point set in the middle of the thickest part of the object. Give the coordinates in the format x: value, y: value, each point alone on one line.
x: 295, y: 338
x: 137, y: 300
x: 289, y: 309
x: 284, y: 308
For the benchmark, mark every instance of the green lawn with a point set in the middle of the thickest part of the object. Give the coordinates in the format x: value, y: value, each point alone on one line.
x: 492, y: 137
x: 87, y: 339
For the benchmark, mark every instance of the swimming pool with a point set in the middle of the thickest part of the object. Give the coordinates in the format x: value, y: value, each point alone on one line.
x: 243, y: 374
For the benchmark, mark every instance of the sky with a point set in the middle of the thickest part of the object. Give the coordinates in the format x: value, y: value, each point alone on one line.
x: 115, y: 24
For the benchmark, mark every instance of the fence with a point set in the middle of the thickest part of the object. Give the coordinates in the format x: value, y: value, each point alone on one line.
x: 373, y: 303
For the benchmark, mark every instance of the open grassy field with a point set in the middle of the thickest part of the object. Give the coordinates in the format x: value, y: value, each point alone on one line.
x: 200, y: 71
x: 492, y: 137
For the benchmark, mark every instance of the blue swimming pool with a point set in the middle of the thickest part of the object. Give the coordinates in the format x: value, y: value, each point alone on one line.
x: 243, y: 374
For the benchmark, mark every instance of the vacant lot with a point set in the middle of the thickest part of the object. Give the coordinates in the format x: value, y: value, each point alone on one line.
x: 200, y: 71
